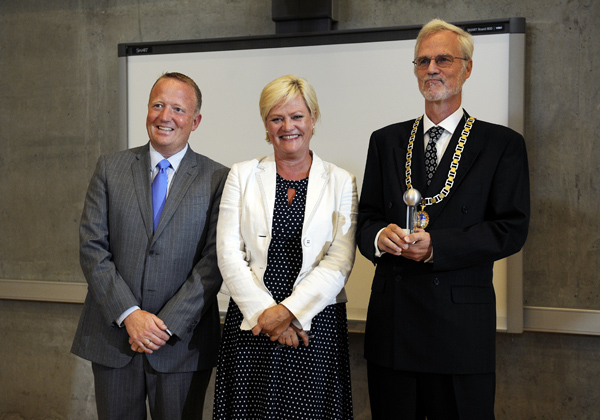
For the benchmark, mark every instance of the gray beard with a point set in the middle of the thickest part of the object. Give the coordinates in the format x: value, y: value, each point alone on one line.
x: 441, y: 95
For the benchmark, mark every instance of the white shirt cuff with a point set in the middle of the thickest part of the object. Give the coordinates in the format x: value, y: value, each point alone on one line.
x: 378, y: 253
x: 125, y: 314
x: 128, y: 312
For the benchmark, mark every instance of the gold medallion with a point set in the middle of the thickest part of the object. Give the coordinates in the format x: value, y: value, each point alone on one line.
x: 422, y: 218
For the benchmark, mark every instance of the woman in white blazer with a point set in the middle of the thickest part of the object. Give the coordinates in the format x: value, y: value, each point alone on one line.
x: 285, y: 245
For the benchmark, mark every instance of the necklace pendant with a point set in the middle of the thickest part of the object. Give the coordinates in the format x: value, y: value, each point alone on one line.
x: 421, y: 218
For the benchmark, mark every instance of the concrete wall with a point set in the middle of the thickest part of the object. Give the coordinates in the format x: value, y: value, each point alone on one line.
x: 58, y: 96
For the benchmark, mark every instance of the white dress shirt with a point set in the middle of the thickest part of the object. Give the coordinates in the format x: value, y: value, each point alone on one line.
x: 449, y: 125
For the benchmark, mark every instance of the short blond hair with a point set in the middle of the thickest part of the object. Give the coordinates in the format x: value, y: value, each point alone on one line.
x: 465, y: 39
x: 283, y: 90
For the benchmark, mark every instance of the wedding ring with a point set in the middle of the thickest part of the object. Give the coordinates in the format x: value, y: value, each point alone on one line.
x: 148, y: 343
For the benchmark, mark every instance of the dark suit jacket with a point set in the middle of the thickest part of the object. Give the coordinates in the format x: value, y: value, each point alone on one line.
x: 440, y: 317
x: 172, y: 273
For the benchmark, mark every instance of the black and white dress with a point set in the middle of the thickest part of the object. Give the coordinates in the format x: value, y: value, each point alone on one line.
x: 259, y: 379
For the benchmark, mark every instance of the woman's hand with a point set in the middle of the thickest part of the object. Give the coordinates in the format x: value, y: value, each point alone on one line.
x: 273, y: 322
x: 290, y: 337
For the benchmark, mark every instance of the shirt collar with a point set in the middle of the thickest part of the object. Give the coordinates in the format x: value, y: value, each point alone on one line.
x: 449, y: 124
x: 174, y: 160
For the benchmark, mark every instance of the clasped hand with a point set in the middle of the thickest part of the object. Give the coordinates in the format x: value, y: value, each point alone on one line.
x: 147, y: 332
x: 276, y: 323
x: 394, y: 240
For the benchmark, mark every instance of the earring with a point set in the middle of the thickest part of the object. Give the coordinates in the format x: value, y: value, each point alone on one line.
x: 313, y: 130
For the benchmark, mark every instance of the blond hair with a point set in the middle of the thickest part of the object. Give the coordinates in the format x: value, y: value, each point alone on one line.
x: 283, y: 90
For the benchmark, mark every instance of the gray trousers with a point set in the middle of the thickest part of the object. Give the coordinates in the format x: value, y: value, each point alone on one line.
x: 121, y: 393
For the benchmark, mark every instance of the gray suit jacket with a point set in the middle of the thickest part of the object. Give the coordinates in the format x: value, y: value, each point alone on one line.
x: 172, y: 273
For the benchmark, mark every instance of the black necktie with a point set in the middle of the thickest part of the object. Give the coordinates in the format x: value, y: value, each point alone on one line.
x: 431, y: 152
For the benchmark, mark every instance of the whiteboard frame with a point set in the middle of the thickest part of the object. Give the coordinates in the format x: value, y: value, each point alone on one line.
x: 510, y: 297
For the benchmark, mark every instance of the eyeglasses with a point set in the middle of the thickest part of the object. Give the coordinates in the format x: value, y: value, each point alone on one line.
x: 442, y: 60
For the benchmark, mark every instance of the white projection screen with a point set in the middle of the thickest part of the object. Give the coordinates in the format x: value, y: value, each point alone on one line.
x: 364, y: 80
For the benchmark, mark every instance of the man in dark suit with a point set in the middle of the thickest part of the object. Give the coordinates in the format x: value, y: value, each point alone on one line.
x: 150, y: 322
x: 431, y: 322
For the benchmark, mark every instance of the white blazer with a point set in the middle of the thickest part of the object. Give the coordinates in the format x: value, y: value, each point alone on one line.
x: 328, y: 243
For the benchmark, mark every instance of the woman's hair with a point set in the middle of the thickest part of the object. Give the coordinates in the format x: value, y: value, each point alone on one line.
x: 283, y: 90
x: 465, y: 39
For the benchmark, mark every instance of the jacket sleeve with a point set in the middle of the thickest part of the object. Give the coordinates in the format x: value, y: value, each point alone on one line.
x: 105, y: 284
x: 248, y: 292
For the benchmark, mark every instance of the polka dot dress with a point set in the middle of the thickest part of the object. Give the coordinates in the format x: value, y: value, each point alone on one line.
x: 259, y: 379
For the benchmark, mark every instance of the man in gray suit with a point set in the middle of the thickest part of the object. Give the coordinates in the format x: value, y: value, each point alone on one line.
x: 150, y: 322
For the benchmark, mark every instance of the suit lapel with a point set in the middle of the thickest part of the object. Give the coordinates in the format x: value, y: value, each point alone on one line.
x: 186, y: 174
x: 318, y: 179
x: 140, y: 170
x: 417, y: 166
x: 467, y: 158
x: 266, y: 177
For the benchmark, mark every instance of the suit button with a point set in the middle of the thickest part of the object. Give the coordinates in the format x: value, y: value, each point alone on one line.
x: 307, y: 242
x: 390, y: 205
x: 436, y: 281
x: 465, y: 210
x: 398, y: 278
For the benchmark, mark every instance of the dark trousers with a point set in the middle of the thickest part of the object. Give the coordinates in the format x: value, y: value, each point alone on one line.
x: 399, y: 395
x: 121, y: 393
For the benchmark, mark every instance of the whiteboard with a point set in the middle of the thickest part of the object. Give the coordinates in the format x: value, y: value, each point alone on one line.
x: 362, y: 82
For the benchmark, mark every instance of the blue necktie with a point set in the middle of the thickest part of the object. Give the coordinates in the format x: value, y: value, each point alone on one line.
x: 159, y: 190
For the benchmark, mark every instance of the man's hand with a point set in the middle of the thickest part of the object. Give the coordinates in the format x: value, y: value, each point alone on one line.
x: 147, y: 332
x: 391, y: 240
x: 420, y: 247
x: 394, y: 240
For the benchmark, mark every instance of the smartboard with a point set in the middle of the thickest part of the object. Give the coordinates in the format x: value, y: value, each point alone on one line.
x: 363, y: 79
